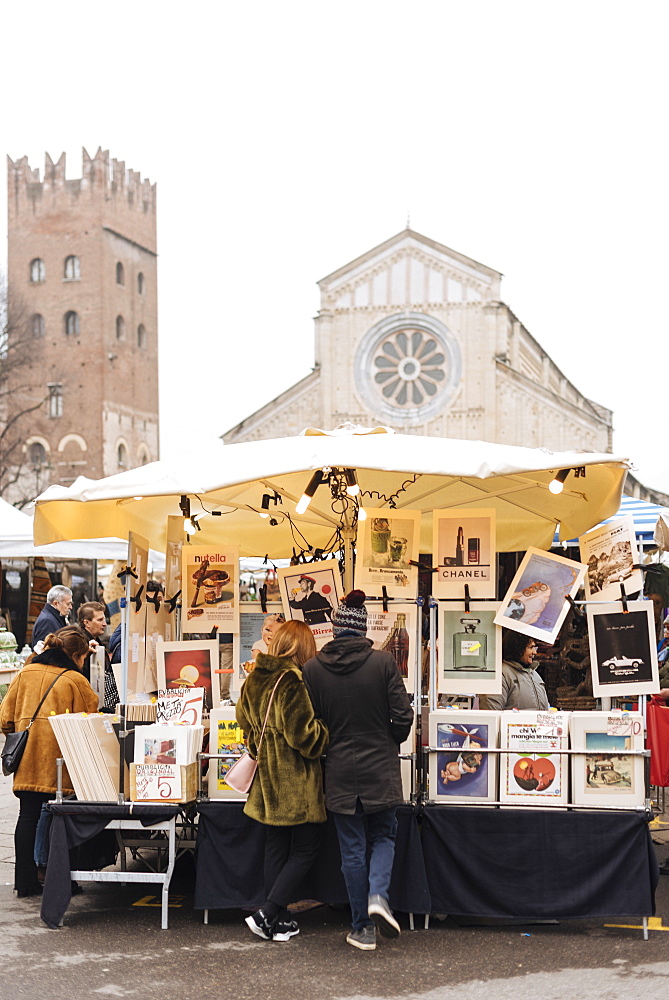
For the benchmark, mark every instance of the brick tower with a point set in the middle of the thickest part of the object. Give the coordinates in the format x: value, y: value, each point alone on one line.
x: 82, y: 264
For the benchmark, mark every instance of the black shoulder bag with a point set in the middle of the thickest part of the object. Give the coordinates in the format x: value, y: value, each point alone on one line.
x: 15, y: 743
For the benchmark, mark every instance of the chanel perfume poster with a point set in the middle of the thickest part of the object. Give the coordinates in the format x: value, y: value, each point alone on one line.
x: 469, y: 659
x: 211, y: 589
x: 465, y: 552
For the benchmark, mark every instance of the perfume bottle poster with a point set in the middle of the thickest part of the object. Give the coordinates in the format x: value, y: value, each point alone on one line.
x: 388, y: 542
x: 464, y: 546
x: 394, y: 631
x: 469, y: 656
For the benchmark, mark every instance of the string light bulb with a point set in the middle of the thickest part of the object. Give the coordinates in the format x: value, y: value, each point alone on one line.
x: 362, y: 514
x: 556, y: 484
x: 352, y: 487
x: 311, y: 488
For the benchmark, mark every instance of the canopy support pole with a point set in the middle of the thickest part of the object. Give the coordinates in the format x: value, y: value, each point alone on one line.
x: 348, y: 534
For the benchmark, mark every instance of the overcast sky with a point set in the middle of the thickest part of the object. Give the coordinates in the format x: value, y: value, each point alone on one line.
x: 288, y: 138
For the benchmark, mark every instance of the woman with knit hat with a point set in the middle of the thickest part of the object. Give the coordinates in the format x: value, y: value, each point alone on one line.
x: 359, y: 693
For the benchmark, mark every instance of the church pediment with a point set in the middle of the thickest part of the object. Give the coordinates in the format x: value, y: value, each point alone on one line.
x: 409, y: 269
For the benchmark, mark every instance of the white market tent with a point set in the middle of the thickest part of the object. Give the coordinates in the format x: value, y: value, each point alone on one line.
x: 402, y: 470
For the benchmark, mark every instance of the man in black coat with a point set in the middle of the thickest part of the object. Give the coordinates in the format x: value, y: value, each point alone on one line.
x: 53, y: 615
x: 360, y: 695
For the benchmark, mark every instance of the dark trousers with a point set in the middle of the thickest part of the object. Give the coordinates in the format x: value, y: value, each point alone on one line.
x: 30, y: 807
x: 361, y: 835
x: 290, y: 851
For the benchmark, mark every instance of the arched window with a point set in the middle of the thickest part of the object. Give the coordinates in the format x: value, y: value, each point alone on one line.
x: 122, y: 456
x: 38, y: 325
x: 143, y: 455
x: 120, y: 274
x: 72, y: 323
x: 120, y: 328
x: 37, y: 455
x: 140, y: 283
x: 37, y: 270
x: 141, y: 336
x: 72, y: 269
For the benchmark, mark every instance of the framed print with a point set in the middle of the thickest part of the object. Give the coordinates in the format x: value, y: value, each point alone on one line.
x: 138, y: 558
x: 225, y: 736
x: 606, y: 775
x: 395, y: 632
x: 532, y: 772
x: 464, y: 547
x: 610, y: 553
x: 256, y: 628
x: 310, y: 593
x: 469, y: 648
x: 459, y: 772
x: 190, y: 664
x: 210, y: 581
x: 535, y: 603
x: 623, y: 650
x: 388, y: 540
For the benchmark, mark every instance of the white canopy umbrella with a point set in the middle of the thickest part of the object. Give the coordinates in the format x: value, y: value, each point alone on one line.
x: 399, y: 470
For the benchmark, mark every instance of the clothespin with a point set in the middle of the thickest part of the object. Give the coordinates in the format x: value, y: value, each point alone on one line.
x: 422, y: 567
x: 574, y: 606
x: 212, y: 634
x: 623, y: 598
x: 467, y: 599
x: 263, y: 598
x: 153, y: 600
x: 384, y: 598
x: 172, y: 602
x: 136, y: 598
x: 126, y: 571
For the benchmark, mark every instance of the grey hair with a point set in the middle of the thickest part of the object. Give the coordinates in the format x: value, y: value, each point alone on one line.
x: 57, y: 593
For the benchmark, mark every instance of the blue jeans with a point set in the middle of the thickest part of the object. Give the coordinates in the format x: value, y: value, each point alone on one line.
x: 356, y: 834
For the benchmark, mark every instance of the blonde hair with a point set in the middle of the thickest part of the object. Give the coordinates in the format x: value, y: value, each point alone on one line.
x: 293, y: 639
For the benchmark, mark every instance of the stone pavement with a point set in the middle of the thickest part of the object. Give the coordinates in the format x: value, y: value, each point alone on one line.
x: 9, y: 810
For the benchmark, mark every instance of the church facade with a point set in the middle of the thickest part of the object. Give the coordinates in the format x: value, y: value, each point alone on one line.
x: 415, y: 336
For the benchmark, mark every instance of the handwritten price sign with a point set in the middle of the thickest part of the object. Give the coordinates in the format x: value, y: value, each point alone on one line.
x: 180, y: 705
x: 156, y: 782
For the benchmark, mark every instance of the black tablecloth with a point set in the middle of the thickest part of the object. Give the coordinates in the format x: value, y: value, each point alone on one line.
x: 229, y: 863
x: 538, y: 864
x: 74, y: 823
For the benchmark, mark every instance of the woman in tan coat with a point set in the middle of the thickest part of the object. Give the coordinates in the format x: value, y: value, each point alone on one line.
x: 287, y: 791
x: 35, y: 779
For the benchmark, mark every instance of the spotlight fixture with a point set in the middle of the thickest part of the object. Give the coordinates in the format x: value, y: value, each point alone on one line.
x: 556, y: 484
x: 311, y: 488
x: 352, y: 487
x: 264, y: 511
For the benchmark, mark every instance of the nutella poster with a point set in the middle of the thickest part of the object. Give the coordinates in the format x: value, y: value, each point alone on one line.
x: 210, y: 588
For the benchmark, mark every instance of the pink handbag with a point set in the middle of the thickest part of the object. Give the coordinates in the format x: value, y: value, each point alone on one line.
x: 240, y: 776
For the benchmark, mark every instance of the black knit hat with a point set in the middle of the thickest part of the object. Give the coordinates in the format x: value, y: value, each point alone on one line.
x: 351, y: 615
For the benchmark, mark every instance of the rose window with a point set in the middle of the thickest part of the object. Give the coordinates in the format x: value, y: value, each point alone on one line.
x: 409, y: 367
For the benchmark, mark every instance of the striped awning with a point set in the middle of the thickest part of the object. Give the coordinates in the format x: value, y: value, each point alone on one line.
x: 645, y: 516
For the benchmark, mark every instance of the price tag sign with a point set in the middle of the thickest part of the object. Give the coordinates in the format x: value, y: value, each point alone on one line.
x: 551, y: 724
x: 182, y: 705
x: 157, y: 782
x: 622, y: 725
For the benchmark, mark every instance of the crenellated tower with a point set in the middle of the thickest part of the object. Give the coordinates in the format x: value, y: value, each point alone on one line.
x: 82, y: 273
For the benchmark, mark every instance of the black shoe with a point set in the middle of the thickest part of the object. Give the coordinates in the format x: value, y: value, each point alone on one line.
x: 381, y: 914
x: 284, y: 930
x: 75, y: 888
x: 260, y: 925
x: 364, y: 939
x: 34, y: 890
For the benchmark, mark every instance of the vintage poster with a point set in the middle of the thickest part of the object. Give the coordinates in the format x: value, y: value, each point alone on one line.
x: 395, y: 632
x: 310, y: 593
x: 138, y: 562
x: 532, y: 771
x: 388, y: 540
x: 464, y: 547
x: 256, y: 628
x: 606, y: 775
x: 610, y: 553
x: 460, y: 772
x: 210, y: 582
x: 536, y: 602
x: 623, y: 651
x: 190, y: 664
x: 469, y: 649
x: 226, y: 737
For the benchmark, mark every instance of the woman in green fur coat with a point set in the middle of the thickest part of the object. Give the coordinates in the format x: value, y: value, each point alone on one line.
x: 287, y: 791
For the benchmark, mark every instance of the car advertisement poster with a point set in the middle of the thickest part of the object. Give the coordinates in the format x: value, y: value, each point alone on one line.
x: 623, y: 649
x: 536, y: 602
x: 610, y: 553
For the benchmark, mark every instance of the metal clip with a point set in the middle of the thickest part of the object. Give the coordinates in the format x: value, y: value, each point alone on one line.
x: 467, y: 599
x: 384, y: 598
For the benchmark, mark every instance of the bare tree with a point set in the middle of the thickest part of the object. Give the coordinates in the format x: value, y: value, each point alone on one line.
x: 21, y: 391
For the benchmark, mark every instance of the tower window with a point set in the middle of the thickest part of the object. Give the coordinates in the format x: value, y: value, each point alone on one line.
x: 38, y: 325
x: 72, y: 269
x: 120, y: 273
x: 55, y: 399
x: 141, y: 336
x: 37, y: 455
x: 120, y: 328
x: 37, y: 270
x: 140, y: 283
x: 122, y: 456
x: 72, y: 323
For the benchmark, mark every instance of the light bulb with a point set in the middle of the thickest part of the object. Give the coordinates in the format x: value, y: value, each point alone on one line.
x: 303, y: 503
x: 189, y: 526
x: 556, y: 487
x: 362, y: 514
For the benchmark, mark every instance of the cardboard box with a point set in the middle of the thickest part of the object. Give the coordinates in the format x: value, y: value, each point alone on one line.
x: 188, y: 785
